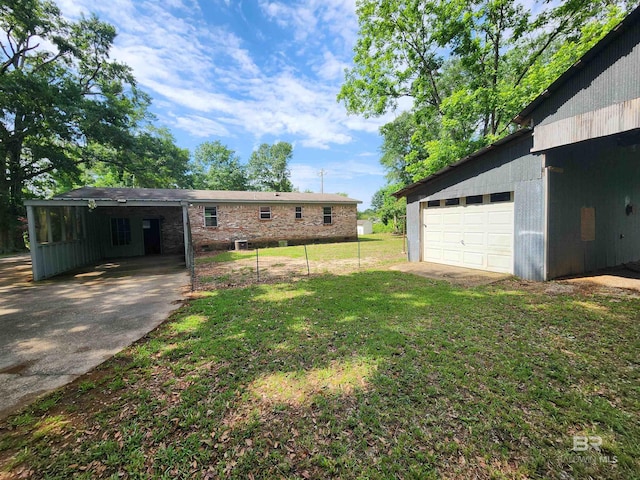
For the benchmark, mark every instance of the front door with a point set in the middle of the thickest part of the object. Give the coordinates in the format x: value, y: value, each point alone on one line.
x: 152, y: 239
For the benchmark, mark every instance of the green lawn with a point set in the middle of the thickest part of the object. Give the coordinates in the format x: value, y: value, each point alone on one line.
x: 232, y: 269
x: 377, y: 246
x: 374, y: 374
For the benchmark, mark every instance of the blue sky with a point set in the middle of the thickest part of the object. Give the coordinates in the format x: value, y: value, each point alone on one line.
x: 251, y: 72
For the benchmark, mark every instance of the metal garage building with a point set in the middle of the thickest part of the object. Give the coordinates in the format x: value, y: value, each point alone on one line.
x: 558, y: 197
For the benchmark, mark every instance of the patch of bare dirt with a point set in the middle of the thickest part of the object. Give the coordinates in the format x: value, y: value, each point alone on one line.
x: 216, y: 275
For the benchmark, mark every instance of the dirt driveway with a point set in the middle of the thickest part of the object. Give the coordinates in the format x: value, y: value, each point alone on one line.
x: 53, y: 331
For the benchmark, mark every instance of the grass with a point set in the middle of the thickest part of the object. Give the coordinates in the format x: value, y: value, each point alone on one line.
x: 374, y: 374
x: 375, y: 246
x: 232, y: 269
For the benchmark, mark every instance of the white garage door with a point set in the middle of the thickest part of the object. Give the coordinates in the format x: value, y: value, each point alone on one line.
x: 474, y: 235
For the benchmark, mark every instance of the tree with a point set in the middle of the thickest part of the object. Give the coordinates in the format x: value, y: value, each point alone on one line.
x: 216, y: 167
x: 396, y: 147
x: 151, y: 161
x: 65, y: 107
x: 468, y: 66
x: 388, y: 208
x: 268, y: 168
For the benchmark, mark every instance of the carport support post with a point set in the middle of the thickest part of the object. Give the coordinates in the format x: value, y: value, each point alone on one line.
x: 33, y: 242
x: 187, y: 238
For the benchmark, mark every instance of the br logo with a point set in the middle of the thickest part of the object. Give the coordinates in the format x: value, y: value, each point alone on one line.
x: 582, y: 443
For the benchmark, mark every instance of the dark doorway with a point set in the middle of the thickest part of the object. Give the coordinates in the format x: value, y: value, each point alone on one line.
x: 152, y: 242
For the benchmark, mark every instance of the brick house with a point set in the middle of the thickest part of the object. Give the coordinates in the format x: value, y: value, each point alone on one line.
x: 90, y: 224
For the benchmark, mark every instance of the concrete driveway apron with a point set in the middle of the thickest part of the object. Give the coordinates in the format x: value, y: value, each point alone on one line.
x: 53, y: 331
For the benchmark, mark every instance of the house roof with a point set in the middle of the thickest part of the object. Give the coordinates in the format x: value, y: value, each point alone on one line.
x: 629, y: 20
x: 181, y: 195
x: 478, y: 153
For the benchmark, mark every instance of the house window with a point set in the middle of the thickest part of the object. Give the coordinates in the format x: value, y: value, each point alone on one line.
x: 501, y: 197
x: 474, y: 199
x: 211, y: 216
x: 120, y: 232
x: 265, y: 213
x: 327, y: 215
x: 452, y: 201
x: 433, y: 203
x: 298, y: 213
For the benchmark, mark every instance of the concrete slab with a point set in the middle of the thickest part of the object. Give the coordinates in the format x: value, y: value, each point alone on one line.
x: 624, y: 276
x: 53, y: 331
x: 465, y: 277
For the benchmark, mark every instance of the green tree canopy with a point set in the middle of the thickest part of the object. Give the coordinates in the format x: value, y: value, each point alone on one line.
x: 268, y: 168
x: 216, y: 167
x: 467, y: 67
x: 67, y: 107
x: 389, y: 209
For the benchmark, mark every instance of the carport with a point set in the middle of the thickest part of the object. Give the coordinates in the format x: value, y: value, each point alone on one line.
x: 67, y: 233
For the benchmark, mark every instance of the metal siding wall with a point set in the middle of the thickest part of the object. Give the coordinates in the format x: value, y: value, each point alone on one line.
x: 604, y: 176
x: 610, y: 77
x: 413, y: 230
x: 528, y: 251
x: 508, y: 168
x: 496, y: 171
x: 56, y: 258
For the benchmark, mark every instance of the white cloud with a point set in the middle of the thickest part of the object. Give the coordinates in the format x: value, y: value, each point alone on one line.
x: 211, y: 76
x: 200, y: 126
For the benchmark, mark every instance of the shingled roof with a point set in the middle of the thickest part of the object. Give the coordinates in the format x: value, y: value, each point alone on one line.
x: 220, y: 196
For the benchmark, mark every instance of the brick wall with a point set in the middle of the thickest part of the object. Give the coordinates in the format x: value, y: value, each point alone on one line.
x: 242, y: 222
x: 170, y: 223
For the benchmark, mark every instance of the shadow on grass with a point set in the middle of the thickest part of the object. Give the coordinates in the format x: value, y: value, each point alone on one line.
x: 369, y: 375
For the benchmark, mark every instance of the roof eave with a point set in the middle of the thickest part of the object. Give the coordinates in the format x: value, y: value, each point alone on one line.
x: 478, y: 153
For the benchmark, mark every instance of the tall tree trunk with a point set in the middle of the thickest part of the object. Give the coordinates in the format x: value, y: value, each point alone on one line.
x: 5, y: 202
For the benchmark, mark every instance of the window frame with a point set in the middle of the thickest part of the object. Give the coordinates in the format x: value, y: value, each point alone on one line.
x: 434, y: 204
x: 264, y: 210
x: 213, y: 217
x: 326, y: 215
x: 452, y: 202
x: 499, y: 197
x: 297, y: 213
x: 474, y: 200
x: 121, y: 236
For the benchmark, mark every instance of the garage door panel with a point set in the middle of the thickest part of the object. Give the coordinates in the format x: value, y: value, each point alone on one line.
x: 473, y: 239
x: 500, y: 263
x: 451, y: 218
x: 473, y: 258
x: 499, y: 240
x: 433, y: 236
x: 451, y: 237
x: 452, y: 256
x: 500, y: 218
x: 434, y: 219
x: 475, y: 236
x: 433, y: 255
x: 478, y: 219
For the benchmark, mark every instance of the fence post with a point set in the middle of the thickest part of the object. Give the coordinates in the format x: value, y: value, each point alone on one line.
x: 257, y: 266
x: 307, y: 258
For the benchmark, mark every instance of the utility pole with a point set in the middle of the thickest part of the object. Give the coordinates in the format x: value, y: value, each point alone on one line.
x: 322, y: 173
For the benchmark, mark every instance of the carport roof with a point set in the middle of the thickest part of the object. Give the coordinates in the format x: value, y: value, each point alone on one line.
x: 173, y: 196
